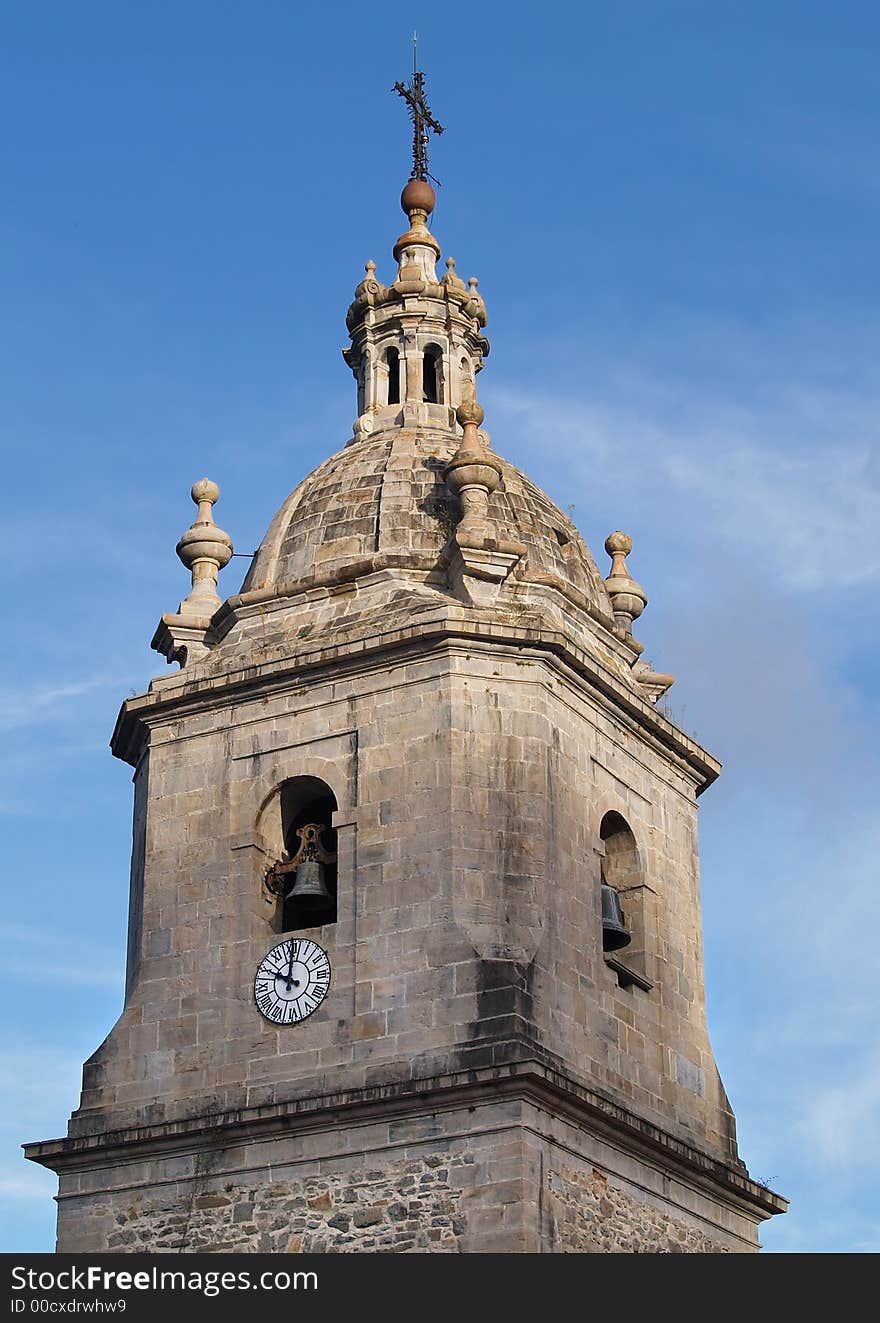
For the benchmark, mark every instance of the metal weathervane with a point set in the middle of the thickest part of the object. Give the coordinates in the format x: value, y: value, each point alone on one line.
x: 423, y: 121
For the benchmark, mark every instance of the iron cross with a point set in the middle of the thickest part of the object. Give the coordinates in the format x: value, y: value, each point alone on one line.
x: 423, y: 121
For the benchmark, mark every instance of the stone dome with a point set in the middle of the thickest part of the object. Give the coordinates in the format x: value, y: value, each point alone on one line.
x: 382, y: 502
x: 416, y: 514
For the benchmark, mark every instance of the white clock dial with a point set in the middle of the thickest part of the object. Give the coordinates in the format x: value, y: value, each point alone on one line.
x: 292, y: 980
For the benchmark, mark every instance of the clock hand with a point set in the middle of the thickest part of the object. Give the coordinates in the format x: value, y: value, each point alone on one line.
x: 289, y: 982
x: 288, y: 977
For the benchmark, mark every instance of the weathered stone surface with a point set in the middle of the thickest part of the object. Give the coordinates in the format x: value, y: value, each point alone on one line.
x: 476, y: 716
x: 505, y: 1175
x: 259, y: 1221
x: 588, y: 1215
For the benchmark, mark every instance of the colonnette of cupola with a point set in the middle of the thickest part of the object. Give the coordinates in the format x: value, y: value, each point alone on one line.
x: 417, y: 344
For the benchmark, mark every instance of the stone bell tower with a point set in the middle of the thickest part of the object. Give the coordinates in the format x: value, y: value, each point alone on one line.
x: 414, y: 946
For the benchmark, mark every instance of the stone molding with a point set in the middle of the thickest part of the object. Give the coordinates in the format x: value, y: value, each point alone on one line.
x: 528, y: 1081
x: 192, y: 692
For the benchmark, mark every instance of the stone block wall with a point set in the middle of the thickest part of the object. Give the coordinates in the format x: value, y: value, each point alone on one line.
x: 471, y: 783
x: 503, y: 1176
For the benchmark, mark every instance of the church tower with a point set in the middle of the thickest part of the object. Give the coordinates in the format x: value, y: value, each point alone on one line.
x: 414, y: 952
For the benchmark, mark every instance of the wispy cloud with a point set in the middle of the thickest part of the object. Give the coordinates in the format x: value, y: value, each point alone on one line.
x: 769, y: 481
x: 841, y: 1122
x: 37, y: 955
x: 37, y: 703
x: 753, y: 494
x: 37, y: 1185
x: 40, y: 1085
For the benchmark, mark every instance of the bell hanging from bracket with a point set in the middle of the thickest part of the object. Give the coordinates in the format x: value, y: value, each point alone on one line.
x: 614, y: 931
x: 309, y: 889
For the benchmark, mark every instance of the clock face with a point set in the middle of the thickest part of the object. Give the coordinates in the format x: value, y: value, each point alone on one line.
x: 292, y: 980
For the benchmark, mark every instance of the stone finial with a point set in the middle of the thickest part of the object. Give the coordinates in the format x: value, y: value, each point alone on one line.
x: 418, y: 200
x: 367, y: 294
x: 369, y: 284
x: 628, y: 601
x: 475, y: 306
x: 628, y: 598
x: 469, y: 415
x: 204, y: 550
x: 452, y: 280
x: 473, y: 474
x: 418, y: 247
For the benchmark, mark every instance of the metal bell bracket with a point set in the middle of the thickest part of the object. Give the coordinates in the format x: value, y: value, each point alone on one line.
x: 310, y: 848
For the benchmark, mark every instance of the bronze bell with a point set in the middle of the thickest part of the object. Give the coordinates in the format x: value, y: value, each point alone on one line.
x: 310, y: 889
x: 614, y: 932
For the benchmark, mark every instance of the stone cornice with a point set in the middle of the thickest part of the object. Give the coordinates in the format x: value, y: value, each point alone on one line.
x: 186, y: 692
x: 528, y: 1081
x: 360, y: 567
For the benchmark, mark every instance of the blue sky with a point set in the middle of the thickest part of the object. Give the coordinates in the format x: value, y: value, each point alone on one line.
x: 673, y: 213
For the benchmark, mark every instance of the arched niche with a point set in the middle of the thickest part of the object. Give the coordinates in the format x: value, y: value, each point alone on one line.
x: 466, y: 382
x: 433, y: 383
x: 298, y: 802
x: 621, y: 860
x: 622, y: 869
x: 364, y: 382
x: 391, y: 360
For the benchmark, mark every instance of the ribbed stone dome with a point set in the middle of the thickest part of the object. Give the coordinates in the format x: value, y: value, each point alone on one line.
x: 382, y: 501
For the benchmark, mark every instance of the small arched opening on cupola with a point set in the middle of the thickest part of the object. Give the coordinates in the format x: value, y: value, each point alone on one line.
x: 432, y: 375
x: 466, y: 385
x: 391, y: 363
x: 304, y: 881
x: 624, y: 904
x: 364, y: 375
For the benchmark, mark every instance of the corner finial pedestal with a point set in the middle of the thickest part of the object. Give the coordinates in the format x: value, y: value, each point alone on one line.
x: 473, y: 474
x: 628, y: 601
x: 628, y: 598
x: 204, y: 549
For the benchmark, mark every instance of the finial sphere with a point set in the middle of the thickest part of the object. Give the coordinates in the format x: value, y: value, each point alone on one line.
x: 205, y: 490
x: 418, y: 196
x: 470, y: 412
x: 618, y: 542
